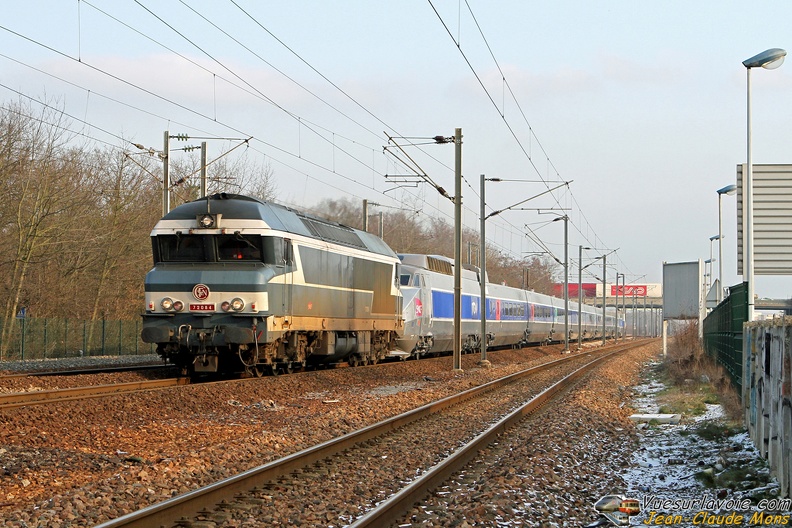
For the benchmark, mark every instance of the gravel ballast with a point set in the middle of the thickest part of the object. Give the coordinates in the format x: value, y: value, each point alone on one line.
x: 81, y: 463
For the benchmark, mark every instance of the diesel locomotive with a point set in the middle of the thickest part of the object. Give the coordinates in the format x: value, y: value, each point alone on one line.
x: 240, y: 284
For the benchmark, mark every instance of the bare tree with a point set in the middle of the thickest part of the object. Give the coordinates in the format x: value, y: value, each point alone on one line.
x: 342, y: 210
x: 229, y: 172
x: 43, y: 183
x: 123, y: 246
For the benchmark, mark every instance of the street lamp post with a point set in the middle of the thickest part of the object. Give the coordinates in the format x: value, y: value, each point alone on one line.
x: 769, y: 59
x: 711, y: 261
x: 729, y: 189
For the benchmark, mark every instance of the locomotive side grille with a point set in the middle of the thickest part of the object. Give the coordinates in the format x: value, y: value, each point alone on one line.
x: 332, y: 233
x: 440, y: 266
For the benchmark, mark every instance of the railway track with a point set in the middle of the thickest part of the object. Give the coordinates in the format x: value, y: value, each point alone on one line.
x: 21, y: 399
x: 77, y: 372
x: 366, y: 467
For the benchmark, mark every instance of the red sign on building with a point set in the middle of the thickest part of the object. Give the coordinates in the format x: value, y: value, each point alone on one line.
x: 589, y: 289
x: 638, y: 290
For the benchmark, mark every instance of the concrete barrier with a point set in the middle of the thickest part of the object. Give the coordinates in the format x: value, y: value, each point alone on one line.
x: 767, y: 393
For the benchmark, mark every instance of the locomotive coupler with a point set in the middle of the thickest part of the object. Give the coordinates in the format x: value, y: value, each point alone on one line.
x: 181, y: 335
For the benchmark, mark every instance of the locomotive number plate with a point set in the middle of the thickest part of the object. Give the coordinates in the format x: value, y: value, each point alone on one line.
x: 202, y: 307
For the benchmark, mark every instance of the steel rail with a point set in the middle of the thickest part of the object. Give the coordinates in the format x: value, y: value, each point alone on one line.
x: 103, y: 370
x: 22, y: 399
x: 171, y: 511
x: 393, y: 509
x: 75, y: 372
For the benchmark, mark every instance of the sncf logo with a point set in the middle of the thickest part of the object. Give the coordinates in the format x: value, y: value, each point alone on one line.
x: 201, y: 292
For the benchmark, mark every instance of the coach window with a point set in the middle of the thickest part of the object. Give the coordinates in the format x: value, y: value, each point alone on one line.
x: 405, y: 279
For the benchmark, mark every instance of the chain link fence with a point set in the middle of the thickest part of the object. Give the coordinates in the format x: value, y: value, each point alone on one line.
x: 723, y: 333
x: 33, y: 338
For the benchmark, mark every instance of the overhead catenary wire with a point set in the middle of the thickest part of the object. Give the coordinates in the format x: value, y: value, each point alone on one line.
x: 184, y: 107
x: 501, y: 113
x: 279, y: 149
x: 273, y: 158
x: 181, y: 106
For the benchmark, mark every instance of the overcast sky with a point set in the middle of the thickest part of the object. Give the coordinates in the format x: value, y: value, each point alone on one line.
x: 641, y: 105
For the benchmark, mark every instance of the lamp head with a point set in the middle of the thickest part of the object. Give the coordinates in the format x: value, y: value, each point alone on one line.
x: 769, y: 59
x: 729, y: 189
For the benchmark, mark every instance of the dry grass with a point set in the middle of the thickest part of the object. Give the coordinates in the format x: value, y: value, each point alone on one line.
x: 698, y: 378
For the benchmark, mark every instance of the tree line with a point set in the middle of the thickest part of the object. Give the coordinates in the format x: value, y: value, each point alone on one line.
x: 75, y: 219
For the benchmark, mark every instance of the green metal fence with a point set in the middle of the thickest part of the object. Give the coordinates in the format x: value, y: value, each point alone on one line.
x: 723, y: 332
x: 33, y: 338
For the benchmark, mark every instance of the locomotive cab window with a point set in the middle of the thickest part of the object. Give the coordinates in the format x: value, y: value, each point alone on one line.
x: 181, y: 248
x: 277, y: 251
x: 239, y: 247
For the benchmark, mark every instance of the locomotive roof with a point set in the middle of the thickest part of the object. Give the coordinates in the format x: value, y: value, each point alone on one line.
x: 280, y: 218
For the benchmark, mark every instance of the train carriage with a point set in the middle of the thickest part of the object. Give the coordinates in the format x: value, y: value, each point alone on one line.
x: 514, y: 317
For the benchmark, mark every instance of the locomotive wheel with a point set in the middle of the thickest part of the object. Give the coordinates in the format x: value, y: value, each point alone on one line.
x: 354, y: 362
x: 254, y: 372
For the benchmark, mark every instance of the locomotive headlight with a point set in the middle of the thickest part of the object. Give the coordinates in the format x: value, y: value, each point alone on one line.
x: 206, y: 221
x: 236, y: 305
x: 167, y: 304
x: 178, y: 306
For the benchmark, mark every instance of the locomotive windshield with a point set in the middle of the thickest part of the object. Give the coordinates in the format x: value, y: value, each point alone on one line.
x: 238, y: 247
x: 234, y: 247
x: 181, y: 248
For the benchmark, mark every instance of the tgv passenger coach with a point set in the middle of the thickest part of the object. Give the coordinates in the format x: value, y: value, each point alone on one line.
x: 514, y: 316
